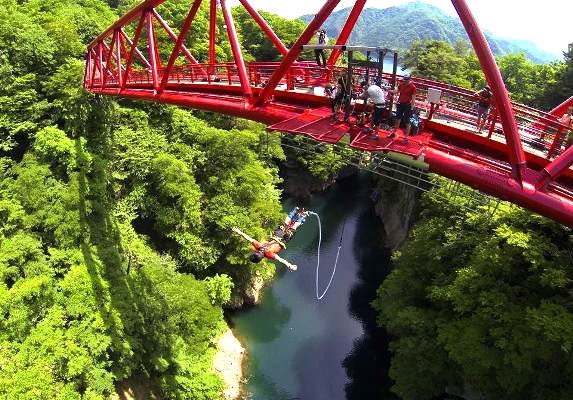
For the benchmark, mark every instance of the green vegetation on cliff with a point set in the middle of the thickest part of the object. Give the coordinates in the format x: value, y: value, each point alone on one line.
x: 481, y: 305
x: 115, y: 252
x: 543, y: 86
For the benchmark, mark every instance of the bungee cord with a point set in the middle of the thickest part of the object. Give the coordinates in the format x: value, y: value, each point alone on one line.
x: 321, y: 296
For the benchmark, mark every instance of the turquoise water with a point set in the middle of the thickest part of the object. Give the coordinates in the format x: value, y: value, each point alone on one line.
x: 308, y: 349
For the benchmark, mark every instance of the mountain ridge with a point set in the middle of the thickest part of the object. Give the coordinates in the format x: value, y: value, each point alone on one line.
x: 398, y: 27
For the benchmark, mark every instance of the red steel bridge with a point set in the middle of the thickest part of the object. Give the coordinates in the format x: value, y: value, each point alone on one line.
x: 519, y: 157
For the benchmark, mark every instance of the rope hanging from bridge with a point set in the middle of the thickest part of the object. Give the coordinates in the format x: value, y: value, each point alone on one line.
x: 321, y: 296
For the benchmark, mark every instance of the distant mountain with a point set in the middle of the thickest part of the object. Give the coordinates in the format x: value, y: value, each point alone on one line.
x: 397, y: 27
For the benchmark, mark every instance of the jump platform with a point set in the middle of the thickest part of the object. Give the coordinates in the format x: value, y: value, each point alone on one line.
x: 320, y: 125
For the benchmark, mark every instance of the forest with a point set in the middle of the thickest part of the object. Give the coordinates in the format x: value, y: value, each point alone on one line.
x: 116, y: 259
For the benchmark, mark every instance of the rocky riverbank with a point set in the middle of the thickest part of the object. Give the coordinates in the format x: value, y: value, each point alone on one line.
x: 228, y: 364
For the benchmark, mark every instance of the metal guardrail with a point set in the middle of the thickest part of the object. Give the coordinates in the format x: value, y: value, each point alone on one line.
x: 404, y: 172
x: 542, y: 133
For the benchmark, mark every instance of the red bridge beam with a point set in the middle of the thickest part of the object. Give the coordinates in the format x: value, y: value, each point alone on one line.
x: 153, y: 53
x: 212, y: 32
x: 179, y: 43
x: 174, y: 37
x: 134, y: 49
x: 494, y: 79
x: 127, y: 18
x: 555, y: 168
x: 347, y: 30
x: 265, y: 27
x: 296, y: 49
x: 236, y: 47
x: 475, y: 175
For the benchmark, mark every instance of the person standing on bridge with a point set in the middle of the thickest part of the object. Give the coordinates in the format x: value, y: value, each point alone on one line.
x: 330, y: 92
x: 484, y: 98
x: 378, y: 96
x: 404, y: 106
x: 321, y: 40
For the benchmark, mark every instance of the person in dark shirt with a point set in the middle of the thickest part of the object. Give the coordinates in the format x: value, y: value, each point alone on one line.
x: 406, y: 101
x: 321, y: 39
x: 484, y: 98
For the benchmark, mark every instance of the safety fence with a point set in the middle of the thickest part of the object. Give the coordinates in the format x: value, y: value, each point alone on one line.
x: 540, y: 132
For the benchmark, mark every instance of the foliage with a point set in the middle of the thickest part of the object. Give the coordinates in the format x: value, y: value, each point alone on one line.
x: 321, y: 161
x: 560, y: 88
x: 526, y: 81
x: 115, y: 251
x: 482, y: 305
x: 264, y: 50
x: 438, y: 61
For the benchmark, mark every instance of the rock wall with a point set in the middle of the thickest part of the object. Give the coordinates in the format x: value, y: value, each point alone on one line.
x: 247, y: 291
x: 397, y: 205
x: 299, y: 183
x: 228, y: 363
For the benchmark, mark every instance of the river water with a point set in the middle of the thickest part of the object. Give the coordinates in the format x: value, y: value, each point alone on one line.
x: 308, y: 349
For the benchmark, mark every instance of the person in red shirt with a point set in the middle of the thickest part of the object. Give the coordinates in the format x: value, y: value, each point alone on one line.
x: 268, y: 249
x: 406, y: 101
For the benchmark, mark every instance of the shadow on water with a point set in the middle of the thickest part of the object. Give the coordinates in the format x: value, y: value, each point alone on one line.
x: 369, y: 361
x: 366, y: 365
x: 275, y: 315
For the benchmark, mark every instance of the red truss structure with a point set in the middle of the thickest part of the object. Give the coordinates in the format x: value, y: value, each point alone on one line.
x: 519, y: 159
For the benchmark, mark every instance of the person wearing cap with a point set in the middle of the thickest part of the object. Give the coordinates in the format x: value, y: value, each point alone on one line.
x: 406, y: 101
x: 377, y: 95
x: 322, y: 40
x: 484, y: 98
x: 330, y: 92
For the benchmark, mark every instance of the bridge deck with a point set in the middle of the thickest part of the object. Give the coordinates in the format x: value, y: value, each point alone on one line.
x: 319, y: 125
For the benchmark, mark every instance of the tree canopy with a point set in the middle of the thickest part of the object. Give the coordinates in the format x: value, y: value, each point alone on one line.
x: 480, y: 305
x: 537, y: 85
x: 115, y: 249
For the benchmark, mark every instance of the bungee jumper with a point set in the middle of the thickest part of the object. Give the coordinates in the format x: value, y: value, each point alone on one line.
x: 271, y: 247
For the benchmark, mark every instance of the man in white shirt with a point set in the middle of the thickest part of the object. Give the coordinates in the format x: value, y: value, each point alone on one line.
x: 377, y: 95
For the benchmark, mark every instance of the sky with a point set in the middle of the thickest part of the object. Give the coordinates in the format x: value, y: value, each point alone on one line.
x: 550, y: 27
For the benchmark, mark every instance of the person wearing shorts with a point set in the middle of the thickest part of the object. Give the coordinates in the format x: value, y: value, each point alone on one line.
x: 406, y: 101
x: 484, y: 98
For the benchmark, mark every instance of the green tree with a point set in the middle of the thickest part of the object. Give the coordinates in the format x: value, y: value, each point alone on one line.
x: 106, y: 211
x: 255, y: 43
x: 561, y: 87
x: 439, y: 61
x: 481, y: 304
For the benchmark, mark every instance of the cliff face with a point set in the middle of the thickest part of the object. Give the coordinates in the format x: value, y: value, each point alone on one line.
x: 397, y: 205
x: 248, y: 291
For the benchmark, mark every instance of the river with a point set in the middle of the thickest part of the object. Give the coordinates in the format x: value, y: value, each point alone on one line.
x: 308, y: 349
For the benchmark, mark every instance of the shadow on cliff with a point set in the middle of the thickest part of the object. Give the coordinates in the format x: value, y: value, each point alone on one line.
x: 120, y: 295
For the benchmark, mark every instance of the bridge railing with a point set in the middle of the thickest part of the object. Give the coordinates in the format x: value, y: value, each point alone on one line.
x: 541, y: 132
